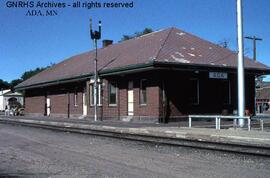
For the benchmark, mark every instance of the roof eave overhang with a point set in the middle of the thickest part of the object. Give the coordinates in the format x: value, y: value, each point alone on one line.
x: 145, y: 67
x: 105, y: 72
x: 206, y: 67
x: 54, y: 82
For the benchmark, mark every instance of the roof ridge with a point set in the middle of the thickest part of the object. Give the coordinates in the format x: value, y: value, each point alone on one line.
x: 161, y: 47
x: 135, y: 38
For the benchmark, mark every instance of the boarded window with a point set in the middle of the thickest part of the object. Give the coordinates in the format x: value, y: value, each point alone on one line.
x: 194, y: 91
x: 143, y: 95
x: 226, y: 92
x: 112, y: 93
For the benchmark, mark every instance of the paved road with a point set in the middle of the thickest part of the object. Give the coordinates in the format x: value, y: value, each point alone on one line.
x: 26, y: 151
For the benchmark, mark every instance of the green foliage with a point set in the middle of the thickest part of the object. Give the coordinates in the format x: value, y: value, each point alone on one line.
x: 126, y: 37
x: 4, y: 84
x: 15, y: 82
x: 26, y: 75
x: 137, y: 34
x: 224, y: 43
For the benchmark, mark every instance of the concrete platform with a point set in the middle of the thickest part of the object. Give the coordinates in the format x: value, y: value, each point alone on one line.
x: 241, y: 141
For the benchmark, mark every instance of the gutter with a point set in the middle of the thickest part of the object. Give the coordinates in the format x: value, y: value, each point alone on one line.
x: 206, y: 67
x: 143, y: 67
x: 128, y: 69
x: 106, y: 72
x: 52, y: 82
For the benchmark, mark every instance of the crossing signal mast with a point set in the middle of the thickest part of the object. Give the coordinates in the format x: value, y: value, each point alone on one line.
x: 95, y: 36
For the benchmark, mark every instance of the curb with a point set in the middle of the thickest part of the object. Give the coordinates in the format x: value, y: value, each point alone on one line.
x: 179, y: 138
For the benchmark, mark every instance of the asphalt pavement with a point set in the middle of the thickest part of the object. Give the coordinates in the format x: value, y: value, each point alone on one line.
x: 36, y: 152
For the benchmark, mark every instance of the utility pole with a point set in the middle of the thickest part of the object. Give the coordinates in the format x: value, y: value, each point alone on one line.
x: 240, y: 69
x: 96, y: 35
x: 254, y: 39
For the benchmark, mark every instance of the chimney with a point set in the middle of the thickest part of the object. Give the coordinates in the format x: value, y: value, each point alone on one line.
x: 107, y: 43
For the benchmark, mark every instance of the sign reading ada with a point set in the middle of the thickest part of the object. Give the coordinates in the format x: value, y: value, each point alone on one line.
x: 218, y: 75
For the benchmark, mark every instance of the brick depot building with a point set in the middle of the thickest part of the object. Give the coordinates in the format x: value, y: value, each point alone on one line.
x: 159, y: 76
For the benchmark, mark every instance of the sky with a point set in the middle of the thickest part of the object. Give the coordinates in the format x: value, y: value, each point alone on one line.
x: 27, y: 42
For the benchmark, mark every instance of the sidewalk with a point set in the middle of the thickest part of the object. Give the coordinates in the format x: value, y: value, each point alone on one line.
x: 253, y: 142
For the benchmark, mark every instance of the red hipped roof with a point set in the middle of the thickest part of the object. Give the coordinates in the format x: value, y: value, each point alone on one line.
x: 172, y: 46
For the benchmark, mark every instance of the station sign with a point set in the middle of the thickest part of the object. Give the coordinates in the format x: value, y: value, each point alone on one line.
x: 218, y: 75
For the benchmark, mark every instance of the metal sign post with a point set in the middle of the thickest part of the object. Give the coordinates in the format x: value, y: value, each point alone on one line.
x: 96, y: 35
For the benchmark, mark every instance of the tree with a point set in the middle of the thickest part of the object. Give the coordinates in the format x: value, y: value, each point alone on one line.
x: 15, y: 82
x: 126, y: 37
x: 26, y: 75
x: 137, y: 34
x: 4, y: 84
x: 224, y: 43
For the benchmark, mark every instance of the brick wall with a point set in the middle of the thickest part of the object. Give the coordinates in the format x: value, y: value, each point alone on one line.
x: 211, y: 92
x: 76, y: 109
x: 150, y: 110
x: 35, y: 105
x: 176, y: 92
x: 152, y: 92
x: 61, y: 100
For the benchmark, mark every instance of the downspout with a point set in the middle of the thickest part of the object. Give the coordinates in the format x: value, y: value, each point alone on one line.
x: 163, y: 103
x: 45, y: 108
x: 118, y: 98
x: 68, y: 114
x: 255, y: 102
x: 101, y: 99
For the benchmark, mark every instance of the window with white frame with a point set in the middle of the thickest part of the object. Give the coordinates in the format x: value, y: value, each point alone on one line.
x: 92, y: 94
x: 194, y: 90
x: 112, y: 93
x: 143, y: 94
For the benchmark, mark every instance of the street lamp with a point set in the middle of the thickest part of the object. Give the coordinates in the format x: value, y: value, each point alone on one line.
x: 96, y: 35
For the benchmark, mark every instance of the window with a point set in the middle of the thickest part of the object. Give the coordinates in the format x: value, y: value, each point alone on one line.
x: 75, y: 98
x: 92, y: 95
x: 226, y: 92
x: 143, y: 95
x: 194, y: 91
x: 112, y: 94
